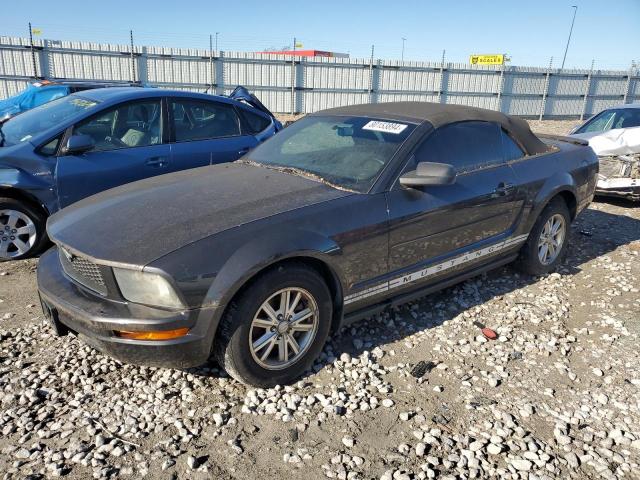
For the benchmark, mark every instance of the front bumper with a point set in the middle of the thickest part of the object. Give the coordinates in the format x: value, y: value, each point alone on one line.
x: 94, y: 319
x: 628, y: 188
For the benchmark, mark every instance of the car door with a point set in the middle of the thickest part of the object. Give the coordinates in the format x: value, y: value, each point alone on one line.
x: 128, y: 146
x: 434, y: 223
x: 205, y: 132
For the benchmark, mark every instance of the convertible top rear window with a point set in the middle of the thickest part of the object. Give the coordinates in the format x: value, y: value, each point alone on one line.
x: 349, y: 152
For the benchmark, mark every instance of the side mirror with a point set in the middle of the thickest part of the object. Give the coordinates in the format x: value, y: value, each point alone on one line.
x: 429, y: 173
x: 79, y: 144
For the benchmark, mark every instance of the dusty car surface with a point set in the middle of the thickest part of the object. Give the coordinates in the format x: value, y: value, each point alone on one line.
x: 341, y: 214
x: 614, y: 134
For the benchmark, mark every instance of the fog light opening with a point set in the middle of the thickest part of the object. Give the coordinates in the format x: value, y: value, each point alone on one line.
x: 152, y: 335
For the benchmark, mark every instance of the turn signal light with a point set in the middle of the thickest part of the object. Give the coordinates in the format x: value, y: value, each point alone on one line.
x: 153, y: 335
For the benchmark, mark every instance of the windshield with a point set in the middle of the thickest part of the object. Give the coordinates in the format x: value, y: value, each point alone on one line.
x: 610, y: 119
x: 28, y: 124
x: 348, y: 152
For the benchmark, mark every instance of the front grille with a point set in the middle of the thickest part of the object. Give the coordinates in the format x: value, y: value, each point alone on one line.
x: 613, y: 167
x: 83, y: 271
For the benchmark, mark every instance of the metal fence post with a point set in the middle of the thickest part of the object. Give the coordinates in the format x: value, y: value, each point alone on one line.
x: 443, y: 84
x: 586, y: 91
x: 211, y: 62
x: 627, y: 90
x: 293, y: 80
x: 45, y: 60
x: 375, y: 81
x: 143, y: 74
x: 219, y: 68
x: 543, y: 103
x: 501, y: 87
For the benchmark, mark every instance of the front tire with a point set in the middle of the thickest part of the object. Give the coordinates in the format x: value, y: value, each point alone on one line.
x: 274, y: 330
x: 546, y: 246
x: 22, y: 229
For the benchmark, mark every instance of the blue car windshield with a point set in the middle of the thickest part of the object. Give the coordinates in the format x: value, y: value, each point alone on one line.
x: 346, y: 152
x: 23, y: 127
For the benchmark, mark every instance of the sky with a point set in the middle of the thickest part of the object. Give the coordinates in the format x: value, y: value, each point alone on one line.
x: 530, y: 32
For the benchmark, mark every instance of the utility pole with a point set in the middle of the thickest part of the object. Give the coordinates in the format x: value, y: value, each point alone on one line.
x: 575, y: 10
x: 33, y: 52
x: 371, y: 75
x: 133, y: 61
x: 402, y: 56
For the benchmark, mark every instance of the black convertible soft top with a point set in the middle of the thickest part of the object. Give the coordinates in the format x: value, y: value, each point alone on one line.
x: 438, y: 115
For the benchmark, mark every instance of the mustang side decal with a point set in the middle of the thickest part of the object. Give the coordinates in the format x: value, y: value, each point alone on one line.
x: 435, y: 269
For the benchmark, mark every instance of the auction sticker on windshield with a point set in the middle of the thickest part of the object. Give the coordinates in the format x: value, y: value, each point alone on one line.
x: 387, y: 127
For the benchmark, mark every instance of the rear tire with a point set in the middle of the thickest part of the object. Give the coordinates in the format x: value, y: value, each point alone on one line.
x: 274, y: 330
x: 546, y: 246
x: 22, y: 229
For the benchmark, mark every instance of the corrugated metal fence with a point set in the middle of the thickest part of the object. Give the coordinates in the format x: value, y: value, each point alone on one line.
x: 303, y: 85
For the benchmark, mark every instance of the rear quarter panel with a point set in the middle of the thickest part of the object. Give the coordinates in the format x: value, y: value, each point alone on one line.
x: 568, y: 168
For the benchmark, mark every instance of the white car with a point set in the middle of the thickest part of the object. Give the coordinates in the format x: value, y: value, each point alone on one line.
x: 614, y: 135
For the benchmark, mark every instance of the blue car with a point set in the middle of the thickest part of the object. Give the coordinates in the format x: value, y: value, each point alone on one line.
x: 87, y: 142
x: 39, y: 93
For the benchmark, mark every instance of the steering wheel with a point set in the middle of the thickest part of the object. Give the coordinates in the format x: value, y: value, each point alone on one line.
x: 115, y: 141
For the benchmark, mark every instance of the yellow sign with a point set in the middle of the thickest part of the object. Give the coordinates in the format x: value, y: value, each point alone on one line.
x: 497, y: 59
x: 298, y: 45
x: 36, y: 31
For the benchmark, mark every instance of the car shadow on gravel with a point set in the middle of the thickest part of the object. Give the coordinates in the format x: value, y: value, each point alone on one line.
x: 594, y: 234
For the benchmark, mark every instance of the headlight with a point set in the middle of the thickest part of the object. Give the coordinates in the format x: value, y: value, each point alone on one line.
x: 147, y: 288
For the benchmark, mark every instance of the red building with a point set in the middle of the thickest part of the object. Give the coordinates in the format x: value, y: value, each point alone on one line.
x: 308, y: 53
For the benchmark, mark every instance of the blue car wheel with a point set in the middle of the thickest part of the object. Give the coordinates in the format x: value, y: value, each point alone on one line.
x: 22, y: 230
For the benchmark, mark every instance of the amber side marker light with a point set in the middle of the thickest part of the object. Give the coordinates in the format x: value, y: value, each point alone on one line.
x: 153, y: 335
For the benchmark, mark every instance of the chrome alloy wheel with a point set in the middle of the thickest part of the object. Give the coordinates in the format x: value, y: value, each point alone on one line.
x: 283, y: 328
x: 17, y: 234
x: 551, y: 239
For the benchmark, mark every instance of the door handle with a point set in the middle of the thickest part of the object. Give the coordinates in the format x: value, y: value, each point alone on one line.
x: 157, y: 162
x: 503, y: 189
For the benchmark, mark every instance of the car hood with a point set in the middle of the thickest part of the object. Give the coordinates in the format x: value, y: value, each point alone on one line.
x: 617, y: 141
x: 585, y: 136
x: 137, y: 223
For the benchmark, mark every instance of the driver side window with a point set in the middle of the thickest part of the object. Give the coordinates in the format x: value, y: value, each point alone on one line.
x: 128, y: 125
x: 467, y: 146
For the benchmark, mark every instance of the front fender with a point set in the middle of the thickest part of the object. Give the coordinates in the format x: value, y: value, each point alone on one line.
x: 36, y: 189
x: 13, y: 177
x: 260, y: 253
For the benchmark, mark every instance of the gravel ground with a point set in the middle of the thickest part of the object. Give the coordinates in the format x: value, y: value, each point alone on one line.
x: 557, y: 395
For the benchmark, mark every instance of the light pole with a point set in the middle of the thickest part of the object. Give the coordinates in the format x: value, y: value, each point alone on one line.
x: 575, y: 10
x: 402, y: 56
